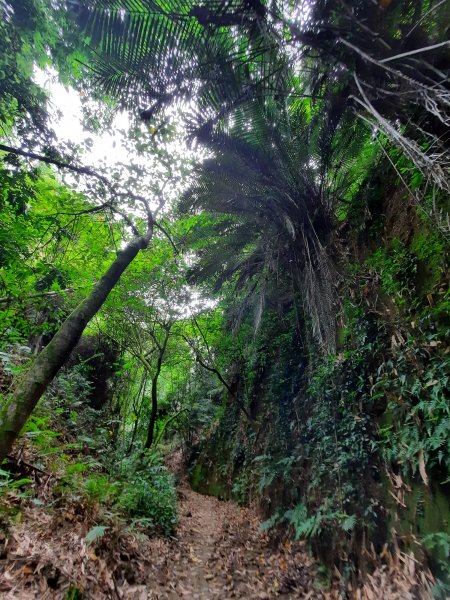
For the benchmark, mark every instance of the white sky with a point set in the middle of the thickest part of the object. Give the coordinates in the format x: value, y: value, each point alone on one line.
x: 68, y: 127
x: 111, y: 150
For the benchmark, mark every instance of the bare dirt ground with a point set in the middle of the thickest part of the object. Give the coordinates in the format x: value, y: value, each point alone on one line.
x: 226, y: 556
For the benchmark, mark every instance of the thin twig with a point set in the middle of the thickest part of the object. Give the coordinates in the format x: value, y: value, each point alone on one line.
x: 91, y: 173
x: 424, y: 17
x: 162, y: 229
x: 128, y: 221
x: 364, y: 27
x: 219, y: 376
x: 418, y: 51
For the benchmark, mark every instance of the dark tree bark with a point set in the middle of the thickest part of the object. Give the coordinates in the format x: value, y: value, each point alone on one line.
x: 138, y: 410
x: 16, y: 410
x: 154, y: 412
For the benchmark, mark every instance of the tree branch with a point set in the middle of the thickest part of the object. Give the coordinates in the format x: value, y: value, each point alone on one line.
x: 219, y: 376
x: 91, y: 173
x: 417, y: 51
x: 162, y: 229
x: 57, y: 163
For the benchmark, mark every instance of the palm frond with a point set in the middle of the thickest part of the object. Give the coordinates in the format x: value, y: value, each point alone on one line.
x: 266, y: 177
x: 179, y: 50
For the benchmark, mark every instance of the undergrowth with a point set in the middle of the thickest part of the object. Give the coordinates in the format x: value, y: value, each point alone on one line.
x: 137, y: 491
x: 336, y: 435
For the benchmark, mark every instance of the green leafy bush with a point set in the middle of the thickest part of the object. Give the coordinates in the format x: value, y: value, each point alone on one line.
x: 307, y: 525
x: 150, y: 498
x: 9, y: 484
x: 99, y: 488
x: 37, y: 429
x: 70, y: 388
x: 439, y: 544
x: 396, y: 270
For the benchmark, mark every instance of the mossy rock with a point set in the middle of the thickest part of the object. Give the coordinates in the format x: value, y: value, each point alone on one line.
x: 206, y: 482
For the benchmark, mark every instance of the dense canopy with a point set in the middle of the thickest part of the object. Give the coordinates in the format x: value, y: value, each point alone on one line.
x: 234, y: 252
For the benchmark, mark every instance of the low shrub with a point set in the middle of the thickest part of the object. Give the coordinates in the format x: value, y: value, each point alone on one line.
x: 150, y: 498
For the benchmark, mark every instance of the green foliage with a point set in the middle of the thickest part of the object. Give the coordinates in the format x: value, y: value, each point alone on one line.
x: 149, y: 498
x: 322, y: 480
x: 140, y: 492
x: 73, y: 593
x: 430, y: 249
x: 44, y: 250
x: 240, y: 488
x: 416, y: 381
x: 407, y: 273
x: 396, y: 269
x: 412, y: 377
x: 305, y: 525
x: 71, y: 388
x: 9, y: 484
x: 95, y: 533
x: 271, y: 470
x: 37, y: 430
x: 100, y: 488
x: 338, y: 436
x: 440, y: 539
x: 439, y: 543
x: 322, y: 519
x: 287, y: 156
x: 136, y: 37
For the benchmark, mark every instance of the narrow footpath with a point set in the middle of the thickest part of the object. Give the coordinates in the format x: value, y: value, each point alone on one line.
x: 224, y: 555
x: 217, y: 553
x: 220, y: 554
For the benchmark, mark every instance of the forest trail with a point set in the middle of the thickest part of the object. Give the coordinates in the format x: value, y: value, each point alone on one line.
x: 202, y: 522
x: 217, y: 552
x: 226, y: 556
x: 220, y: 553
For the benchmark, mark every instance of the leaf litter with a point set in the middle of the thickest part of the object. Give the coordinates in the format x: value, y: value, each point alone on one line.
x: 57, y: 549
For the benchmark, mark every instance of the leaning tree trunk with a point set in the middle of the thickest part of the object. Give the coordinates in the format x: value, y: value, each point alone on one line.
x: 16, y: 410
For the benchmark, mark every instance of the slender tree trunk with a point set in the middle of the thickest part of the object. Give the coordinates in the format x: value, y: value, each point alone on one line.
x: 138, y: 411
x: 154, y: 413
x: 16, y: 410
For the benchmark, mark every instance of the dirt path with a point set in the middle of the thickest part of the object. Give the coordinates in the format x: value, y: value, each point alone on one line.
x: 217, y: 553
x: 223, y: 555
x: 202, y: 521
